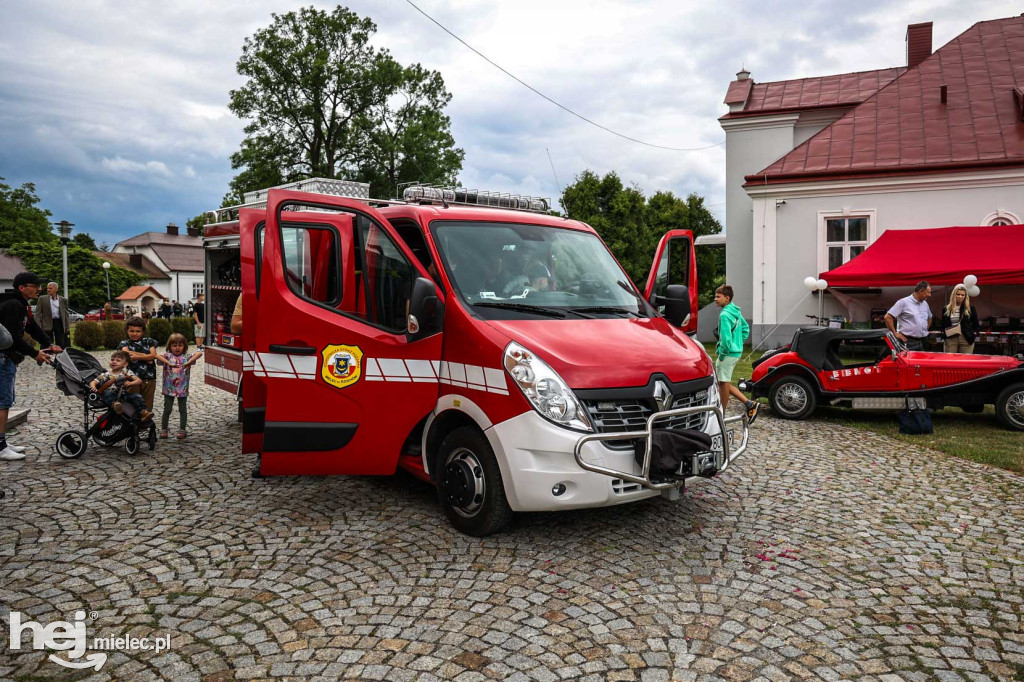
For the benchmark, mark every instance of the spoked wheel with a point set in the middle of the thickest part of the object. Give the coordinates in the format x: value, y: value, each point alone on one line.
x: 151, y: 438
x: 792, y: 398
x: 71, y: 444
x: 131, y: 445
x: 1010, y: 407
x: 470, y: 487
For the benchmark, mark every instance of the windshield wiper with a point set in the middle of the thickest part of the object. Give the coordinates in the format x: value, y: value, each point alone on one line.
x: 519, y: 307
x: 605, y: 309
x: 632, y: 292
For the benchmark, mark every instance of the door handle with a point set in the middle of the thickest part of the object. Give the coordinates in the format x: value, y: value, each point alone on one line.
x: 292, y: 350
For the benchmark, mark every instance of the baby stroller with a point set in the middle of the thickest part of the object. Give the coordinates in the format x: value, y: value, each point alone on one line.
x: 75, y: 369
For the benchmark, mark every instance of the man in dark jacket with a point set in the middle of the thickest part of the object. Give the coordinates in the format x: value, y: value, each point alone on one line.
x: 17, y: 320
x: 165, y: 310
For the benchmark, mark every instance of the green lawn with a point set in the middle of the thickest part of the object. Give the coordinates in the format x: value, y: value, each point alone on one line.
x: 977, y: 437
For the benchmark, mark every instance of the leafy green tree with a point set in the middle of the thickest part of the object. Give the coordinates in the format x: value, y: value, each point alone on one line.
x: 20, y: 219
x: 632, y: 225
x: 85, y: 272
x: 322, y: 102
x: 85, y: 241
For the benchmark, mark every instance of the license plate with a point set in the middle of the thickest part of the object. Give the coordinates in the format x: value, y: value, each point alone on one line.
x: 716, y: 442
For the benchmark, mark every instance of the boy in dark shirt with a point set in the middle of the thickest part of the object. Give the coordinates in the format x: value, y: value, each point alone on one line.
x: 142, y: 351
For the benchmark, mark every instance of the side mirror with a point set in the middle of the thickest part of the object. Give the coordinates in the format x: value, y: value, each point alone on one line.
x: 677, y: 304
x: 426, y: 310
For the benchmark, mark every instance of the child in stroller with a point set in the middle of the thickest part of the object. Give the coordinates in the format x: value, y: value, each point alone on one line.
x: 119, y: 415
x: 110, y: 386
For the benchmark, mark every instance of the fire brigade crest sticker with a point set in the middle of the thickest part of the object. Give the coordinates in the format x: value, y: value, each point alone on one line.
x: 341, y: 365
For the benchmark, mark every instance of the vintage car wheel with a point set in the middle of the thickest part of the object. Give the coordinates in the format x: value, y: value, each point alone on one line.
x: 1010, y: 407
x: 469, y: 484
x: 792, y: 398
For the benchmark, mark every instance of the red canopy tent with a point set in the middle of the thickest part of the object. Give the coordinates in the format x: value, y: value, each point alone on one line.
x: 942, y: 255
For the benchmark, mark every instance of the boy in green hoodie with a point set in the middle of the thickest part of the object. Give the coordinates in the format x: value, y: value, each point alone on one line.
x: 732, y: 332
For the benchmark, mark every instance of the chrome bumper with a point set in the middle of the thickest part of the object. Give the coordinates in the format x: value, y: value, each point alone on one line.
x: 723, y: 458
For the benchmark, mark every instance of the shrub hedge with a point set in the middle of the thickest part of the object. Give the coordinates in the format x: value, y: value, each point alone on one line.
x: 160, y: 330
x: 87, y: 335
x: 113, y: 333
x: 183, y: 326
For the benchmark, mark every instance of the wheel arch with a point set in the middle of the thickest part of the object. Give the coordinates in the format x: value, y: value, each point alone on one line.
x: 452, y: 412
x: 788, y: 370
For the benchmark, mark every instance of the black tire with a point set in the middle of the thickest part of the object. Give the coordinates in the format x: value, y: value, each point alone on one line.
x: 469, y: 485
x: 973, y: 409
x: 793, y: 397
x: 71, y: 444
x: 1010, y: 407
x: 132, y: 444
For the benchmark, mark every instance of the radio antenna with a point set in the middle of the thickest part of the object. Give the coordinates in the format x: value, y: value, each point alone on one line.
x: 561, y: 192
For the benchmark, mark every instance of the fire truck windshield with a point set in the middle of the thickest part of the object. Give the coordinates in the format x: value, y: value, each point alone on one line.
x: 505, y: 269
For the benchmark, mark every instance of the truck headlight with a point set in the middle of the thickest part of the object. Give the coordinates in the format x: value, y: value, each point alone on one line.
x: 545, y: 390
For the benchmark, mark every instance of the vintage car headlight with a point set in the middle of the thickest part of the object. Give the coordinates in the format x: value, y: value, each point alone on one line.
x: 545, y: 390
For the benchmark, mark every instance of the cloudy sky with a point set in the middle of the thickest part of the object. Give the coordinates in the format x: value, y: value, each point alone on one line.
x: 118, y: 110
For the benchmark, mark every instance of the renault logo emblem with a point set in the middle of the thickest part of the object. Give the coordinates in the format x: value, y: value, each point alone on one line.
x: 662, y: 396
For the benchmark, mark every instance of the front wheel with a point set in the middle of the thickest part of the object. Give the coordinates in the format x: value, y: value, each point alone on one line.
x: 71, y: 444
x: 1010, y: 407
x: 131, y: 445
x: 792, y: 397
x: 469, y: 484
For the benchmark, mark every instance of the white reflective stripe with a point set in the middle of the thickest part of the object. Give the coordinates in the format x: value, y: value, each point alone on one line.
x: 475, y: 377
x: 247, y: 360
x: 372, y: 371
x: 443, y: 374
x: 496, y: 380
x: 457, y: 372
x: 276, y: 364
x: 393, y: 369
x: 305, y: 365
x: 421, y: 371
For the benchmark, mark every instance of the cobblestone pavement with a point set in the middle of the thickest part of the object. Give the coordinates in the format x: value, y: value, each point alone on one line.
x: 825, y: 553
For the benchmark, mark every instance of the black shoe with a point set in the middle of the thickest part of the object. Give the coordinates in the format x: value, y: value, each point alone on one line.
x: 753, y: 407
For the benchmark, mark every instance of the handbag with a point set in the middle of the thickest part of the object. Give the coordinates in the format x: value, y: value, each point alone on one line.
x: 915, y: 421
x: 953, y: 331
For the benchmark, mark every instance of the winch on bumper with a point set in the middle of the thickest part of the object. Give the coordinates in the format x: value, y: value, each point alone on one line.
x: 705, y: 464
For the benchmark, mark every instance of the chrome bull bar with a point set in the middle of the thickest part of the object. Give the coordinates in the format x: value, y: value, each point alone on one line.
x: 722, y: 459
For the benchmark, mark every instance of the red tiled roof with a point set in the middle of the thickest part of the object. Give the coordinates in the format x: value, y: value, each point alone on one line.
x: 845, y: 89
x: 904, y: 127
x: 10, y: 266
x: 132, y: 293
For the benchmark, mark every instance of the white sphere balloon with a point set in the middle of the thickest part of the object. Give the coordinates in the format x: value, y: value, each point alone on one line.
x: 811, y: 283
x: 822, y: 284
x: 970, y: 281
x: 973, y: 290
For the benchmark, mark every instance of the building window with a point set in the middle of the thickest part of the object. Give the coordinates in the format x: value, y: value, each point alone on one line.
x: 845, y: 239
x: 197, y: 289
x: 1000, y: 218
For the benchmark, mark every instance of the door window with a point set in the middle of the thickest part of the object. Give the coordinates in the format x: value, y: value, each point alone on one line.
x: 311, y: 262
x: 389, y: 277
x: 673, y: 268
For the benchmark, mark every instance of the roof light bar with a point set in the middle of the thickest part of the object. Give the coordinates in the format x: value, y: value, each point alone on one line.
x: 474, y: 197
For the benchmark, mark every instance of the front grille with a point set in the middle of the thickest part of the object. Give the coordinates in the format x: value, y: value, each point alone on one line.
x: 610, y: 415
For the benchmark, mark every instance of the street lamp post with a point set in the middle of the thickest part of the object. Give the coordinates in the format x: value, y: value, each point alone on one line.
x: 64, y: 228
x: 106, y: 271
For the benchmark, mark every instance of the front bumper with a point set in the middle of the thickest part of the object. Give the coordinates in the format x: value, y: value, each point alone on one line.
x: 706, y: 464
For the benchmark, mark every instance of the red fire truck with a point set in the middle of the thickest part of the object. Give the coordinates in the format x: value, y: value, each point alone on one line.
x: 490, y: 348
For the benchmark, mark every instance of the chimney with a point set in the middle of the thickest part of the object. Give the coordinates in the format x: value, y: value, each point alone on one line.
x: 919, y: 43
x: 135, y: 261
x: 172, y: 229
x: 742, y: 74
x: 194, y: 231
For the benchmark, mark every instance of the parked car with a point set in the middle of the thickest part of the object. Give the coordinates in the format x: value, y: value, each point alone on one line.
x: 872, y: 370
x: 75, y: 317
x: 97, y: 314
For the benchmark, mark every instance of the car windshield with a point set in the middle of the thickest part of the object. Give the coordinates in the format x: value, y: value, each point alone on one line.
x: 534, y: 270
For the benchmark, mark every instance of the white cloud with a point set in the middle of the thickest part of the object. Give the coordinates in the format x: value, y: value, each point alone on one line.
x: 120, y: 165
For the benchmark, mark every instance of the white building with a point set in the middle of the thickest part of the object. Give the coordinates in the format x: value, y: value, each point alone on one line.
x: 818, y: 168
x: 178, y: 256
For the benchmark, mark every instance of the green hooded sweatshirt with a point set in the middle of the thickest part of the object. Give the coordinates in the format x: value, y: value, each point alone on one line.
x: 732, y: 331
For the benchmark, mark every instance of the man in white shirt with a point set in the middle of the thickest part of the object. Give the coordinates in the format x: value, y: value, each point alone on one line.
x: 910, y: 317
x: 52, y: 315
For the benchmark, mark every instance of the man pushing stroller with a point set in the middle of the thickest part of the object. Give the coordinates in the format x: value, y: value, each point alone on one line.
x: 111, y: 384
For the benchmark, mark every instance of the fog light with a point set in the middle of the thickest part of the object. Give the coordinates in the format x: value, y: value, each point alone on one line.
x: 557, y: 489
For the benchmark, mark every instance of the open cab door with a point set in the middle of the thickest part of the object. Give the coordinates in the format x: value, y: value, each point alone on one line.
x: 349, y: 338
x: 674, y: 264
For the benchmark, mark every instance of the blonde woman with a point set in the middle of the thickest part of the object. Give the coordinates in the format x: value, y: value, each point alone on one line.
x: 959, y: 322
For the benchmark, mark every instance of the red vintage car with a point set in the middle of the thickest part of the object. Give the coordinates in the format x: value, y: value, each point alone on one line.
x: 97, y: 315
x: 871, y: 369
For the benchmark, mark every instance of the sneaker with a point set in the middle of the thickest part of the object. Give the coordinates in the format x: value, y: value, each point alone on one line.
x: 752, y: 409
x: 10, y: 454
x: 117, y: 407
x: 145, y: 415
x: 17, y: 448
x: 163, y: 433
